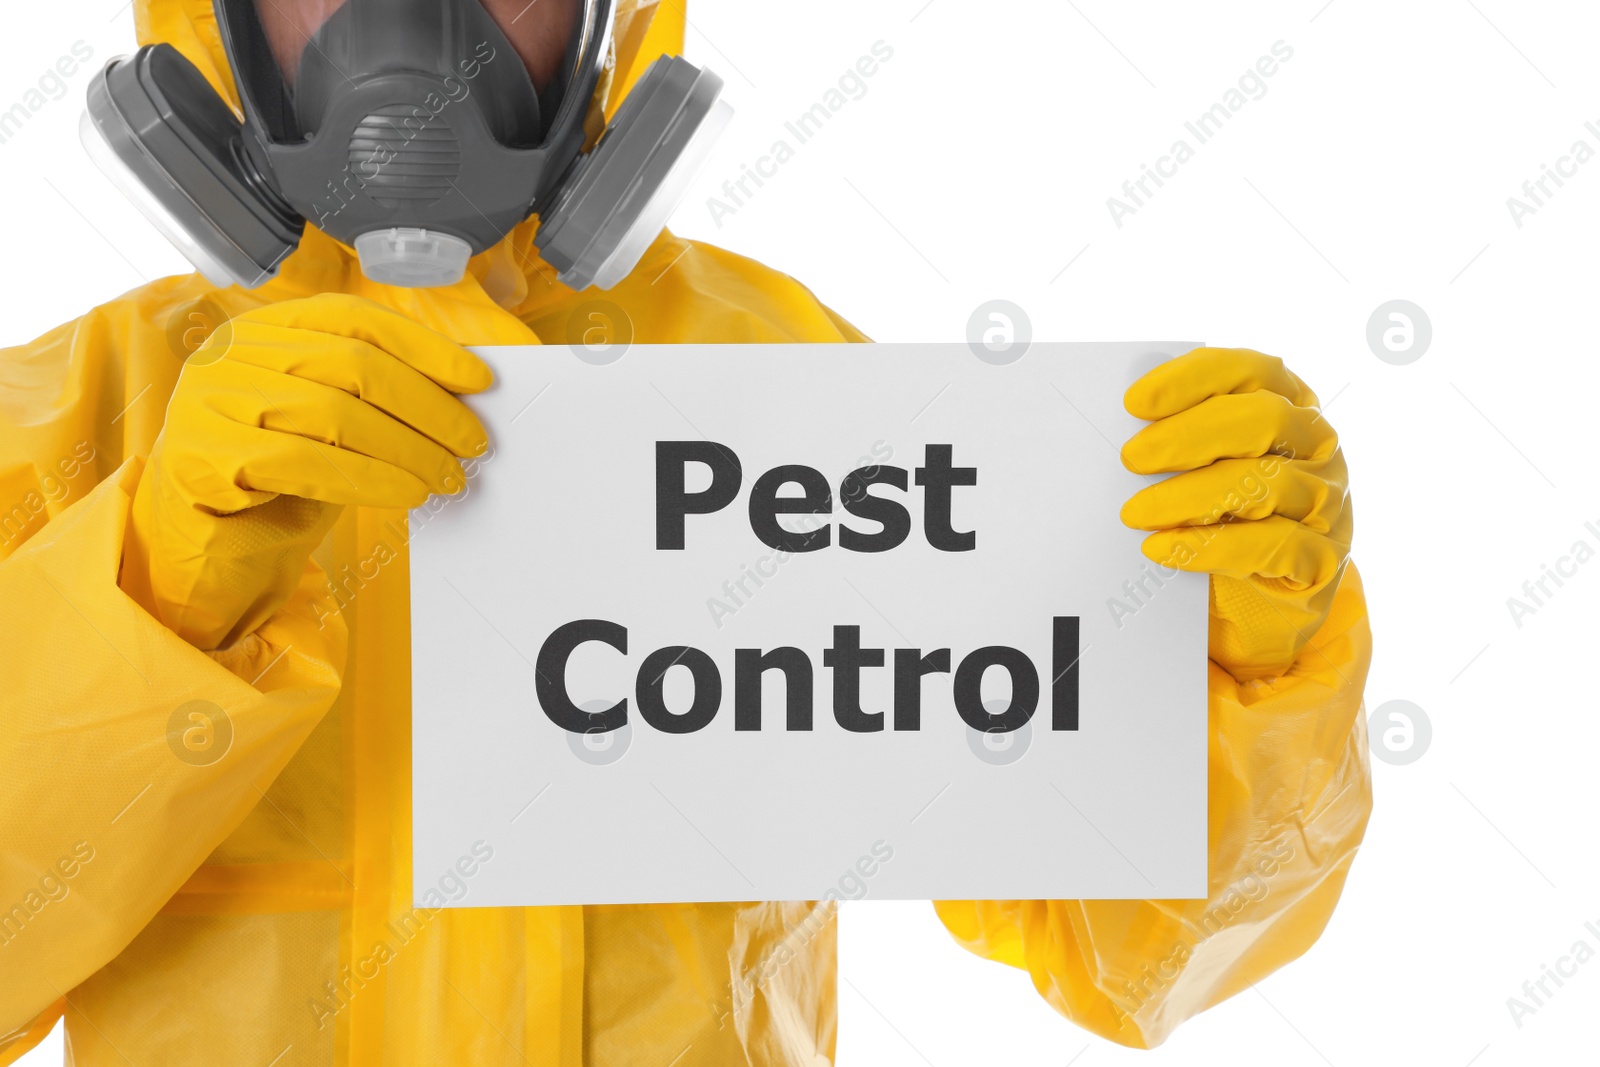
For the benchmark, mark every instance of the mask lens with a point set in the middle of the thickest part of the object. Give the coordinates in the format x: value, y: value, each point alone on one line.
x: 558, y: 40
x: 289, y: 25
x: 547, y: 36
x: 594, y: 34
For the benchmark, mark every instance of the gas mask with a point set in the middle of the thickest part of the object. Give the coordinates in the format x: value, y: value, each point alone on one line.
x: 412, y: 133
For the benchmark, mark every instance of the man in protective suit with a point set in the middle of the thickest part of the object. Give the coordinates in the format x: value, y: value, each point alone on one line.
x: 204, y: 673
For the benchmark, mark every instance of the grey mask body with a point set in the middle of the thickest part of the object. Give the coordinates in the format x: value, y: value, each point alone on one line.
x: 419, y: 114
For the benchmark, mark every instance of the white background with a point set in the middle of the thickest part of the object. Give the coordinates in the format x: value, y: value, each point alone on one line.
x: 1376, y: 167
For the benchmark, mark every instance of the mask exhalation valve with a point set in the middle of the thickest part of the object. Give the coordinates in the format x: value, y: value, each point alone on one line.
x: 414, y: 258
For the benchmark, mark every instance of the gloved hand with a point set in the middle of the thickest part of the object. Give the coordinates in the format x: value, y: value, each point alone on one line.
x: 286, y: 414
x: 1262, y: 505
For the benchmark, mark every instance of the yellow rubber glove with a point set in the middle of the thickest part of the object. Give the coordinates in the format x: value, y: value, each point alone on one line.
x: 1262, y: 506
x: 284, y: 415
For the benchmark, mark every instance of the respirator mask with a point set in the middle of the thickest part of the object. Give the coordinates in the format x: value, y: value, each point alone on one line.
x: 412, y: 132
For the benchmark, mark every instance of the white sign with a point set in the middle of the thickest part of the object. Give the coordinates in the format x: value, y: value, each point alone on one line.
x: 774, y: 622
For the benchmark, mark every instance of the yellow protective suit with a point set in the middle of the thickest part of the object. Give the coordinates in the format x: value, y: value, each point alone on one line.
x: 205, y: 857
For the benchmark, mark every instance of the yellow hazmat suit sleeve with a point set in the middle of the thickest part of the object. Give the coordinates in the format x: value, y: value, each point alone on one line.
x: 1264, y: 507
x: 161, y: 749
x: 1290, y: 792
